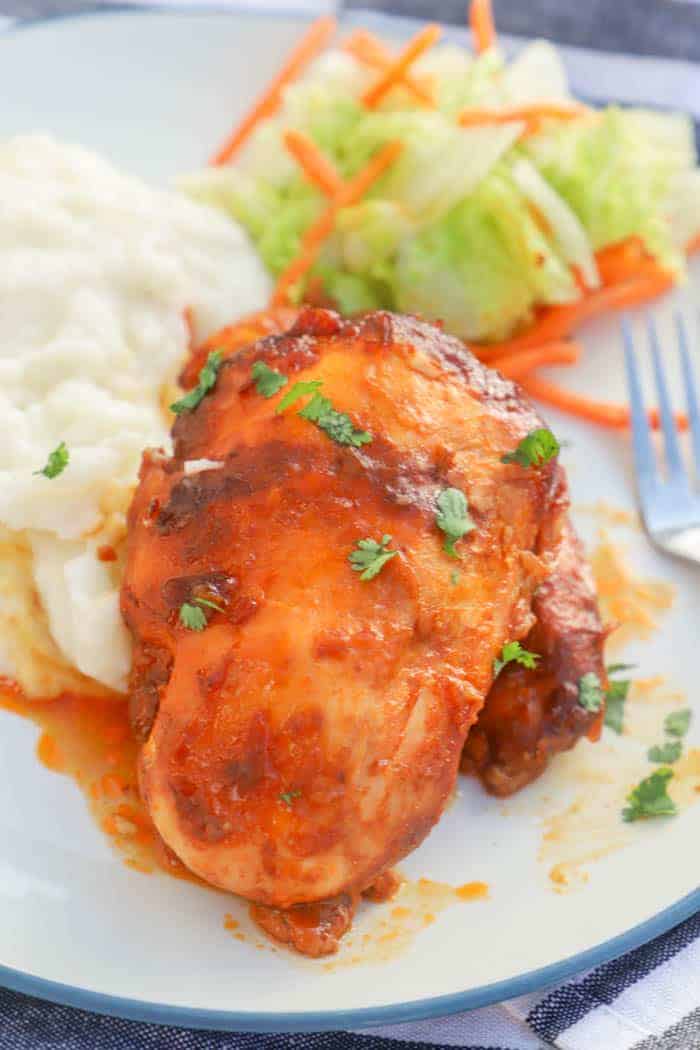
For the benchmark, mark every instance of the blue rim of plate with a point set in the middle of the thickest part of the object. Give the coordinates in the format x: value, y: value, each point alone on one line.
x: 322, y: 1020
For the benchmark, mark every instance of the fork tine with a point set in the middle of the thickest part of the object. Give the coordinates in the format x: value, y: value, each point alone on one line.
x: 690, y: 387
x: 674, y: 457
x: 641, y: 437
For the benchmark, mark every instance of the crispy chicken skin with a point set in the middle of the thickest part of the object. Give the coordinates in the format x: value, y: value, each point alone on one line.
x: 310, y: 736
x: 531, y: 715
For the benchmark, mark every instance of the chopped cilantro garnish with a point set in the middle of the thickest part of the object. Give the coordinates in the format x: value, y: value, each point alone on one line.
x: 454, y: 577
x: 192, y: 617
x: 287, y: 797
x: 337, y: 425
x: 209, y: 604
x: 590, y: 693
x: 650, y: 797
x: 618, y: 668
x: 677, y: 723
x: 299, y: 390
x: 666, y: 753
x: 267, y: 381
x: 534, y: 450
x: 56, y: 463
x: 453, y: 518
x: 370, y: 557
x: 616, y: 697
x: 206, y: 380
x: 514, y: 652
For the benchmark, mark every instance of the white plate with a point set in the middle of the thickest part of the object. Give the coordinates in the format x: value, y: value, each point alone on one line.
x: 154, y: 93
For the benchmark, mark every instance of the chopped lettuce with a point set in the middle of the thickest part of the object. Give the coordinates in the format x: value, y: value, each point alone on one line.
x: 474, y: 226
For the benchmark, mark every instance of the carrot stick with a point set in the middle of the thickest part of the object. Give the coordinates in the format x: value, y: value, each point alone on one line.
x: 693, y: 245
x: 557, y: 322
x: 313, y: 41
x: 622, y: 260
x: 312, y: 241
x: 535, y: 111
x: 395, y: 73
x: 482, y: 25
x: 607, y: 414
x: 514, y: 366
x: 371, y: 52
x: 317, y: 169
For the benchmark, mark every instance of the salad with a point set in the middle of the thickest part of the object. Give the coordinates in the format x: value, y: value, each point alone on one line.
x: 459, y: 186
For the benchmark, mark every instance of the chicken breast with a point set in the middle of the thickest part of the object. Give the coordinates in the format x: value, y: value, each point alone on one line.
x: 310, y: 734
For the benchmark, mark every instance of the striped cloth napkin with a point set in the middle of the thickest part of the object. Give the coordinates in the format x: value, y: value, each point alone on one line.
x: 632, y: 51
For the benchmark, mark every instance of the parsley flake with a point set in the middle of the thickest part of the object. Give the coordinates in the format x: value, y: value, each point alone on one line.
x: 677, y: 723
x: 616, y: 697
x: 535, y: 450
x: 590, y: 693
x: 453, y: 518
x: 206, y: 380
x: 287, y: 797
x: 370, y: 557
x: 454, y: 577
x: 337, y: 425
x: 299, y: 390
x: 56, y: 463
x: 192, y: 617
x: 667, y: 753
x: 650, y: 797
x: 267, y: 381
x: 514, y: 652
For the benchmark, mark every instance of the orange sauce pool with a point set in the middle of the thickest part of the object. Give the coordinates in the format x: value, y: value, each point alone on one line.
x: 88, y: 738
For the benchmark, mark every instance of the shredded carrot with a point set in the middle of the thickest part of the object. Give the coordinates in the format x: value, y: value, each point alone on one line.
x: 531, y: 115
x: 392, y: 76
x: 604, y: 413
x: 482, y: 25
x: 367, y: 49
x: 312, y: 241
x: 313, y: 41
x: 317, y: 169
x: 622, y: 260
x: 554, y: 323
x: 514, y: 366
x: 693, y: 245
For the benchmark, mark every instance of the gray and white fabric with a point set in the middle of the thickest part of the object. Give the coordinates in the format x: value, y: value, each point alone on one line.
x: 643, y: 52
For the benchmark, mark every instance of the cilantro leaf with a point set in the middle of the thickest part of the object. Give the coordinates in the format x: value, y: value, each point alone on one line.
x: 650, y: 797
x: 616, y: 697
x: 370, y: 557
x: 206, y: 380
x: 667, y: 753
x: 678, y: 722
x: 514, y: 652
x: 337, y: 425
x: 536, y: 449
x: 209, y: 604
x: 56, y: 463
x: 590, y: 693
x: 617, y: 668
x: 192, y: 617
x: 299, y: 390
x: 454, y: 577
x: 453, y: 518
x: 288, y: 796
x: 267, y: 381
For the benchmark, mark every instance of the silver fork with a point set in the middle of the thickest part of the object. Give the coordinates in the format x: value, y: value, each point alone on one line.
x: 670, y: 502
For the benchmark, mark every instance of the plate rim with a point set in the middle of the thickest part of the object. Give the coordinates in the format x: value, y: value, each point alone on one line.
x: 322, y: 1020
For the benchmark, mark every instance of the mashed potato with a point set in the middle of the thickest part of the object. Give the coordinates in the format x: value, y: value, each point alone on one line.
x: 96, y: 270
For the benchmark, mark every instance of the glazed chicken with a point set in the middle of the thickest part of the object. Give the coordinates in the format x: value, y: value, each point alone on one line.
x: 305, y: 734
